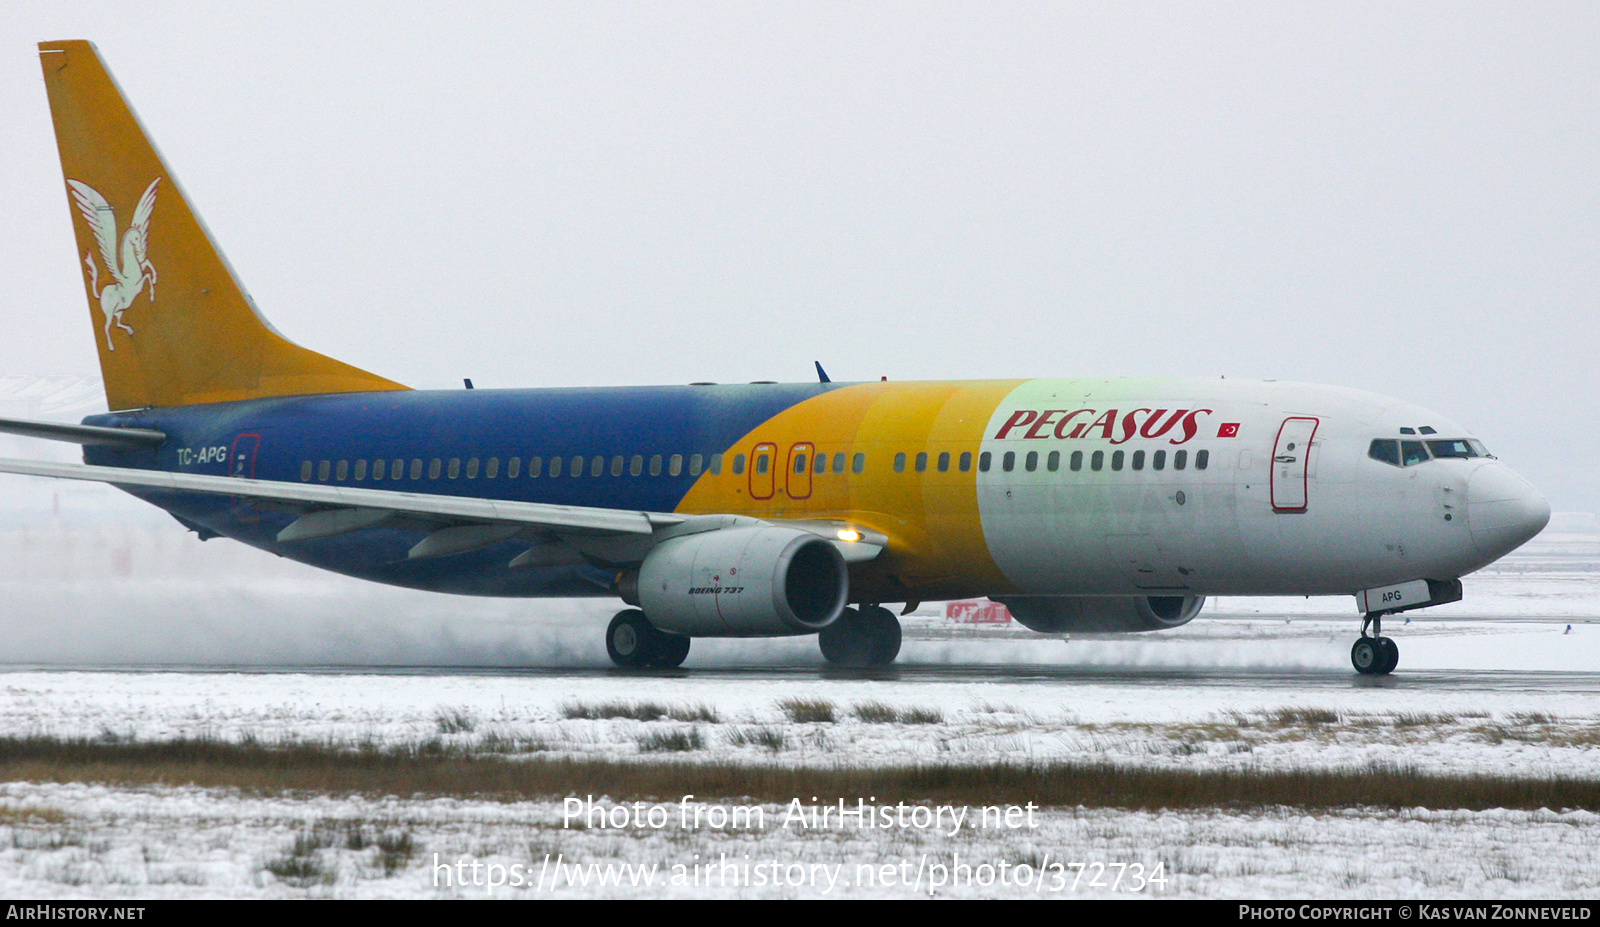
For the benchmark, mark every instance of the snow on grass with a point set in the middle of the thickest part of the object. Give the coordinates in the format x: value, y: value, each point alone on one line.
x: 77, y: 841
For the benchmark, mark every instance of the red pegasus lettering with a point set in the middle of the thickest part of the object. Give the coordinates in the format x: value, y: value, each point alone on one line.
x: 1020, y: 417
x: 1190, y: 426
x: 1150, y: 423
x: 1062, y: 427
x: 1105, y: 423
x: 1129, y: 426
x: 1043, y: 422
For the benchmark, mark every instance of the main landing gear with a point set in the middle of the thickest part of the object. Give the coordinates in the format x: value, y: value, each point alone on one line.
x: 869, y: 637
x: 632, y: 641
x: 1376, y: 655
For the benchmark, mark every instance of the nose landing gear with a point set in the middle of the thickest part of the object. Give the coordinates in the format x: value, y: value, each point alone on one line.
x: 1376, y: 655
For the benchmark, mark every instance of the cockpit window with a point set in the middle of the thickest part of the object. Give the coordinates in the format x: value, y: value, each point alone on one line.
x: 1407, y: 453
x: 1455, y: 448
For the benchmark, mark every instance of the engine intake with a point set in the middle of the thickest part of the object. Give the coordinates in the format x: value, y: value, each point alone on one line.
x: 1064, y: 614
x: 744, y: 582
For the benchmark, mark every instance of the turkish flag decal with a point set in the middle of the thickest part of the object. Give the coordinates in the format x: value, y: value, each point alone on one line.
x: 1228, y: 430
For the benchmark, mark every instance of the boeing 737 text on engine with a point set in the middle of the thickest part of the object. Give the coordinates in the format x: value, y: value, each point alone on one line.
x: 744, y: 511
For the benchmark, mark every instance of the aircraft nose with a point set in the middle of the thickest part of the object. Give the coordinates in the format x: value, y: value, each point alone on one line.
x: 1504, y: 510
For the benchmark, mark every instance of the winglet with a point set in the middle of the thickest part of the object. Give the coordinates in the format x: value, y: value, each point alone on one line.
x: 821, y: 374
x: 173, y: 324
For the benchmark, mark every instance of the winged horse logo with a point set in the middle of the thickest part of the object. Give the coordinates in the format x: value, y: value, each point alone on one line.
x: 130, y: 273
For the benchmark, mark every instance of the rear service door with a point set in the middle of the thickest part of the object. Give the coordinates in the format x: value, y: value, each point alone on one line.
x: 1290, y: 455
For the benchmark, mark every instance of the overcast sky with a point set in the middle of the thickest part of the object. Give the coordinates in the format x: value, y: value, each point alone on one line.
x: 1404, y: 198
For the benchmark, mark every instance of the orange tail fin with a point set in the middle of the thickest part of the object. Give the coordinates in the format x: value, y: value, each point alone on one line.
x: 173, y: 324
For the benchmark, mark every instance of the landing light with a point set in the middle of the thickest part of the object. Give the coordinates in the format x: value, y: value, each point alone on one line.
x: 849, y: 534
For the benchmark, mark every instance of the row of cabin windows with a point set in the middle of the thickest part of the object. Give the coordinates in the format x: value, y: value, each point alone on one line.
x: 398, y: 469
x: 454, y: 468
x: 1137, y: 460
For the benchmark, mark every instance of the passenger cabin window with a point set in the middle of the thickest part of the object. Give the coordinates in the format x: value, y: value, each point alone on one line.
x: 900, y: 463
x: 944, y: 461
x: 305, y: 471
x: 514, y: 468
x: 473, y: 465
x: 361, y: 469
x: 1097, y: 461
x: 1077, y: 461
x: 1053, y: 462
x: 324, y: 469
x: 966, y: 461
x: 378, y: 468
x: 1158, y: 460
x: 342, y: 473
x: 1008, y: 461
x: 738, y: 464
x: 1202, y: 459
x: 455, y: 468
x: 416, y: 468
x: 655, y: 465
x: 1116, y: 460
x: 1031, y: 462
x: 675, y: 465
x: 636, y: 465
x: 616, y: 466
x: 983, y: 462
x: 1138, y: 460
x: 435, y: 467
x: 597, y: 465
x: 858, y: 463
x: 1180, y: 459
x: 491, y: 470
x: 922, y: 462
x: 820, y: 464
x: 555, y: 467
x: 838, y: 463
x: 576, y: 467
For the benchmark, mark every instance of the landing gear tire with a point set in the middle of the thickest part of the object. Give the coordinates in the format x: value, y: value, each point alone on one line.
x: 869, y: 637
x: 1390, y: 651
x: 1375, y: 656
x: 1364, y: 656
x: 633, y: 642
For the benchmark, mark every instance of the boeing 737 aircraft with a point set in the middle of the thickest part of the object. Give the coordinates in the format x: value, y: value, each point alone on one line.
x: 745, y: 511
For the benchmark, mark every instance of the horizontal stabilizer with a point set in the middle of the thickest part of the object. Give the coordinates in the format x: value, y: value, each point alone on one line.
x: 83, y: 434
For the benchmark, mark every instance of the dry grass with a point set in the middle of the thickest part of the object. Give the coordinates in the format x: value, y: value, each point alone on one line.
x: 808, y: 710
x: 445, y: 771
x: 638, y: 711
x: 879, y: 713
x: 671, y: 741
x: 770, y: 738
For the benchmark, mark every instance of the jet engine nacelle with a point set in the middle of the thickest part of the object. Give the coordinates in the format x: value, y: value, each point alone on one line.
x: 743, y: 582
x: 1064, y: 614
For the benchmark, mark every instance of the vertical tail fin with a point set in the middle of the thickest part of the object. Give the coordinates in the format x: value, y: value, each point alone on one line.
x: 174, y: 326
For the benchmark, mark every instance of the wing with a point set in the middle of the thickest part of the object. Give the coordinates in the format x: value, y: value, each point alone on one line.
x: 455, y: 524
x: 141, y: 212
x: 101, y: 218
